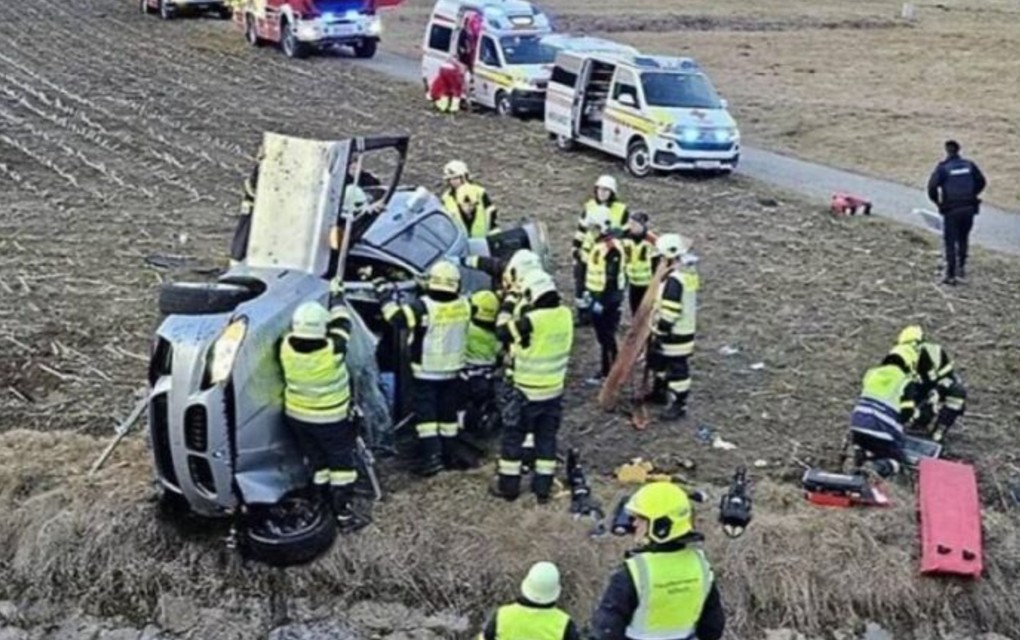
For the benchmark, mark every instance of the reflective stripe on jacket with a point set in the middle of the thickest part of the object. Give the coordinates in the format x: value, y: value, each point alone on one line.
x: 444, y: 343
x: 596, y: 269
x: 676, y: 311
x: 317, y: 383
x: 540, y: 368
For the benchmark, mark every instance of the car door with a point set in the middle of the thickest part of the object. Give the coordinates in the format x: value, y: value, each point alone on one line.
x: 437, y: 49
x: 625, y: 105
x: 485, y: 81
x: 562, y: 96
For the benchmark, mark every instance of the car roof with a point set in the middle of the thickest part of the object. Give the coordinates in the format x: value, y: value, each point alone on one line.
x: 510, y: 16
x: 569, y: 42
x: 638, y: 61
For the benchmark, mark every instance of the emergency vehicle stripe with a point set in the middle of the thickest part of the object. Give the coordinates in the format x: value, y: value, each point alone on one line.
x: 617, y: 112
x: 501, y: 79
x: 630, y: 121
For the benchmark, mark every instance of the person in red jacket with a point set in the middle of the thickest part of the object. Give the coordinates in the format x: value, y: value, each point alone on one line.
x: 447, y: 89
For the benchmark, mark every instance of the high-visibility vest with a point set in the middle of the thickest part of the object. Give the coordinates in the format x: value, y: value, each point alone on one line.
x: 540, y: 369
x: 934, y: 355
x: 518, y: 622
x: 671, y: 588
x: 481, y: 225
x: 318, y: 386
x: 639, y: 254
x: 482, y: 346
x: 444, y: 344
x: 682, y: 315
x: 616, y: 211
x: 885, y: 385
x: 595, y: 276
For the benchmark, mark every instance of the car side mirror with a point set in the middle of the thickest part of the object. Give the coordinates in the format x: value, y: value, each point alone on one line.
x: 628, y: 100
x: 724, y: 103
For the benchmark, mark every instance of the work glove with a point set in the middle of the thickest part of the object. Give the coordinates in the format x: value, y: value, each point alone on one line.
x: 585, y: 301
x: 597, y: 308
x: 384, y: 289
x: 336, y: 287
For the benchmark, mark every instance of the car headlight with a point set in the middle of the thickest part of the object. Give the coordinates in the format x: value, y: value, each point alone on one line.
x: 224, y: 351
x: 726, y: 134
x: 687, y: 134
x: 375, y: 26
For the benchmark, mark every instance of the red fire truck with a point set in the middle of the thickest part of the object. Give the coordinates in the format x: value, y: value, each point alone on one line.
x: 301, y: 27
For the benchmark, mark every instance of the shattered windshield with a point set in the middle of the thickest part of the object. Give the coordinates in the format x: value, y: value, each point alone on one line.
x: 526, y: 50
x: 679, y: 90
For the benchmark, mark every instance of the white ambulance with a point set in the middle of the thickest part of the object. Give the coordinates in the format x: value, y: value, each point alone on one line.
x: 656, y: 112
x: 500, y: 41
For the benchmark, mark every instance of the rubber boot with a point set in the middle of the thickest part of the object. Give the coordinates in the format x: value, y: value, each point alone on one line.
x: 506, y: 487
x: 676, y: 408
x: 658, y: 393
x: 431, y: 457
x: 541, y: 486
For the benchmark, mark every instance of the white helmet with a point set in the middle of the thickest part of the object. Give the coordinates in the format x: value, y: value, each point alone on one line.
x: 542, y: 584
x: 455, y: 169
x: 672, y: 245
x: 606, y: 182
x: 536, y: 283
x: 521, y: 262
x: 309, y: 321
x: 355, y: 199
x: 597, y: 217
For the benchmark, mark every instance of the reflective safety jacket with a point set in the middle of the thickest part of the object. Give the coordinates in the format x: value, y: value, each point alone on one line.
x: 603, y: 272
x: 676, y: 308
x: 482, y: 344
x: 439, y: 334
x: 541, y: 342
x: 317, y: 382
x: 934, y: 366
x: 583, y: 240
x: 886, y: 403
x: 482, y: 222
x: 639, y: 254
x: 525, y: 620
x: 662, y: 592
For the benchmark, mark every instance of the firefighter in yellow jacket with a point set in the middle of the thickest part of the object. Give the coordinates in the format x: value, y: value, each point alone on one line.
x: 665, y: 590
x: 605, y: 195
x: 317, y: 397
x: 540, y: 339
x: 640, y: 257
x: 438, y: 323
x: 535, y: 615
x: 673, y: 326
x: 481, y: 363
x: 466, y: 201
x: 604, y: 280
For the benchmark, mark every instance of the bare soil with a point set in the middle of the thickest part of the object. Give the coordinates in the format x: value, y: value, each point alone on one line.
x: 848, y: 84
x: 137, y: 144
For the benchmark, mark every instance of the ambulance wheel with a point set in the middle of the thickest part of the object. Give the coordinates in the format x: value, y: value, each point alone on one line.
x: 564, y: 143
x: 146, y: 9
x: 639, y: 163
x: 251, y: 32
x: 366, y: 49
x: 166, y: 11
x: 292, y: 47
x: 504, y: 107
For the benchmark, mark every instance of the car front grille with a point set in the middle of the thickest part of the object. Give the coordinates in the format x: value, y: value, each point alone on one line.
x: 196, y: 428
x: 160, y: 431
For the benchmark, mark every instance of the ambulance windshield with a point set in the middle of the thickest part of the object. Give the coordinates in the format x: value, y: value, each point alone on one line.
x: 526, y: 50
x: 679, y: 90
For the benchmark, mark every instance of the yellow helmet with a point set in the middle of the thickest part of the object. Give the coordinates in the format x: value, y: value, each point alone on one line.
x: 455, y: 169
x: 309, y: 321
x: 667, y: 509
x: 484, y: 305
x: 444, y: 276
x: 905, y: 352
x: 913, y: 334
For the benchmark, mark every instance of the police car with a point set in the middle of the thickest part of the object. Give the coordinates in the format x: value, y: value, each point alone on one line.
x: 500, y: 41
x: 656, y: 112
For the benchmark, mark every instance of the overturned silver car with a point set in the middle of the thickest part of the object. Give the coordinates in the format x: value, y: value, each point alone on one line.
x: 219, y: 442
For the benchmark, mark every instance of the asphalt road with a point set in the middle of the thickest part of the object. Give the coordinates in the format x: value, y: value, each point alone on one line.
x: 994, y: 228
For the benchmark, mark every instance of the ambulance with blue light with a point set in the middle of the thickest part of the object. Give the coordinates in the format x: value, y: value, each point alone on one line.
x: 500, y: 42
x: 658, y: 113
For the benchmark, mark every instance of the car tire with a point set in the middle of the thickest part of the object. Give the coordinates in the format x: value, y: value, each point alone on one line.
x: 166, y: 12
x: 294, y: 531
x: 563, y: 143
x: 292, y: 47
x: 504, y: 106
x: 190, y: 299
x: 639, y: 163
x: 251, y: 33
x: 366, y: 49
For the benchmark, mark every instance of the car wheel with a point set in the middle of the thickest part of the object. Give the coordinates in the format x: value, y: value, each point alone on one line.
x: 292, y: 47
x: 639, y: 163
x: 251, y: 33
x: 166, y: 11
x: 190, y: 299
x: 366, y: 49
x: 294, y: 531
x: 564, y: 143
x: 504, y: 107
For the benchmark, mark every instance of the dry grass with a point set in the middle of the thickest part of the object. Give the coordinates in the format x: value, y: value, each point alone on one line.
x: 97, y: 543
x: 848, y: 84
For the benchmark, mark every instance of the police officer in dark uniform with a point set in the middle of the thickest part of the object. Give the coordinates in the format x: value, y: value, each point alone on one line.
x: 954, y: 187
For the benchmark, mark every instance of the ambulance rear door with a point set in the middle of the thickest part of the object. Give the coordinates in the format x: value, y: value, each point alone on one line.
x: 563, y: 95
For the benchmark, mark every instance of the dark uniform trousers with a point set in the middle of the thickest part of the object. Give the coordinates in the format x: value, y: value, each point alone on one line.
x: 436, y: 403
x: 606, y: 325
x: 330, y: 446
x: 542, y: 418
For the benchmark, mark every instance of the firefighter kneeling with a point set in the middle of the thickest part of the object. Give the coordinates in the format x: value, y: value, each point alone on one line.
x: 540, y: 340
x: 438, y: 322
x: 447, y: 89
x: 317, y: 400
x: 673, y: 327
x: 940, y: 394
x: 666, y: 589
